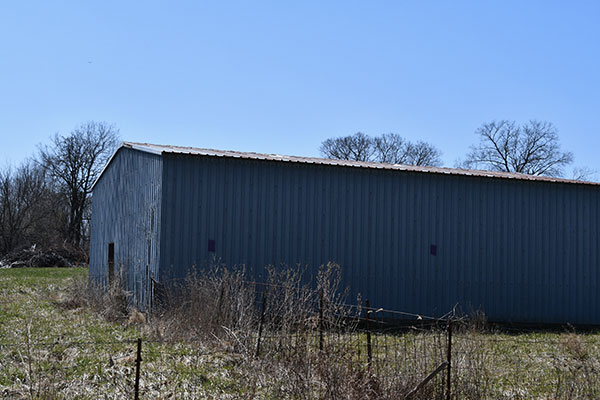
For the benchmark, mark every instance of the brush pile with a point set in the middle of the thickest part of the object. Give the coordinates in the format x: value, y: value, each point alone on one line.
x: 37, y: 257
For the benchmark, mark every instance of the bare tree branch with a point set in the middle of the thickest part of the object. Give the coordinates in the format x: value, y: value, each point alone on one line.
x: 584, y: 174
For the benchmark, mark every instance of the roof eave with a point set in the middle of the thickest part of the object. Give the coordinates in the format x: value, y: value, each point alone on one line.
x: 161, y: 149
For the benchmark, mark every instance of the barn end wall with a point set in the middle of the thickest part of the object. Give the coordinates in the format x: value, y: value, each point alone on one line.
x: 519, y: 251
x: 126, y: 211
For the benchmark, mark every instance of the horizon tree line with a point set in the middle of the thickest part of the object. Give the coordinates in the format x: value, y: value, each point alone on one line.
x: 531, y: 148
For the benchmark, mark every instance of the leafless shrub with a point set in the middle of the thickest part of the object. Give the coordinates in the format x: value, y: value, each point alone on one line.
x: 110, y: 302
x: 577, y: 371
x: 312, y: 345
x: 213, y: 305
x: 472, y: 364
x: 76, y: 294
x: 222, y: 309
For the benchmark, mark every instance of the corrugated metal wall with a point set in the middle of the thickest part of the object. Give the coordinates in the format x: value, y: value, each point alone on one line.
x: 520, y: 251
x: 126, y: 211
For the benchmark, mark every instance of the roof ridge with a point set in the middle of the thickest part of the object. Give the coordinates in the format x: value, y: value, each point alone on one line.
x: 160, y: 149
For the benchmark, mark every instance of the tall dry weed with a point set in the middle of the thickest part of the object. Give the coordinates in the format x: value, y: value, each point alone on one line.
x: 293, y: 337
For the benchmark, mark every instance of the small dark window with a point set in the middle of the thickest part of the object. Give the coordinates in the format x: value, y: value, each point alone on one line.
x: 433, y: 250
x: 211, y: 245
x: 111, y: 263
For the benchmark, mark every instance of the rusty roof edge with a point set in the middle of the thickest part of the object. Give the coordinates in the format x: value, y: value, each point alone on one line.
x: 161, y: 149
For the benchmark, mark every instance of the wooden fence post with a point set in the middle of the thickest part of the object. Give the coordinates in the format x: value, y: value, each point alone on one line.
x: 424, y: 381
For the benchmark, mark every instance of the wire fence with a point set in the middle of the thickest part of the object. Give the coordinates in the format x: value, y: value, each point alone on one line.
x: 86, y: 369
x: 481, y: 365
x: 324, y: 349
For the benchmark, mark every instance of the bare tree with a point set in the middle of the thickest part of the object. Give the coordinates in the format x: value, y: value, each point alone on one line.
x: 357, y: 147
x: 391, y: 148
x: 584, y: 174
x: 75, y: 162
x: 532, y: 148
x: 22, y: 205
x: 388, y: 148
x: 423, y: 153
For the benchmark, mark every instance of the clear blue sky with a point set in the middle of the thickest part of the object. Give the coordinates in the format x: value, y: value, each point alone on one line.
x: 280, y: 77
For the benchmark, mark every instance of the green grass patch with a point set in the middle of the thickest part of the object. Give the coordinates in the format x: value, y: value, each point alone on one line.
x: 48, y: 350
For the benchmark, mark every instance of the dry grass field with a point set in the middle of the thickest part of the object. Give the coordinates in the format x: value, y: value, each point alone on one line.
x: 57, y: 341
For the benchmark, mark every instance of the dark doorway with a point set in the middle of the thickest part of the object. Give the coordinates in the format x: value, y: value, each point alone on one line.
x: 111, y: 263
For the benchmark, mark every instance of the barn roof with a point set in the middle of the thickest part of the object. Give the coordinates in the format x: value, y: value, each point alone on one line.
x: 161, y: 149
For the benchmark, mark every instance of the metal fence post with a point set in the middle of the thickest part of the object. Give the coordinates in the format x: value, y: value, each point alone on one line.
x: 262, y: 321
x: 219, y: 312
x: 138, y: 362
x: 449, y: 361
x: 369, y: 349
x: 321, y: 320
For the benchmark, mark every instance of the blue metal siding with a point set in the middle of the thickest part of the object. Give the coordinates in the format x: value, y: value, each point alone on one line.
x: 124, y: 201
x: 518, y: 250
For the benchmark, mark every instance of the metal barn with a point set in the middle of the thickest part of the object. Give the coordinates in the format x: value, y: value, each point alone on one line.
x: 416, y: 239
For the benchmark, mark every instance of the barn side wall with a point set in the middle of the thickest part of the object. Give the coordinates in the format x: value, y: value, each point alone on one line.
x: 126, y: 211
x: 519, y: 251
